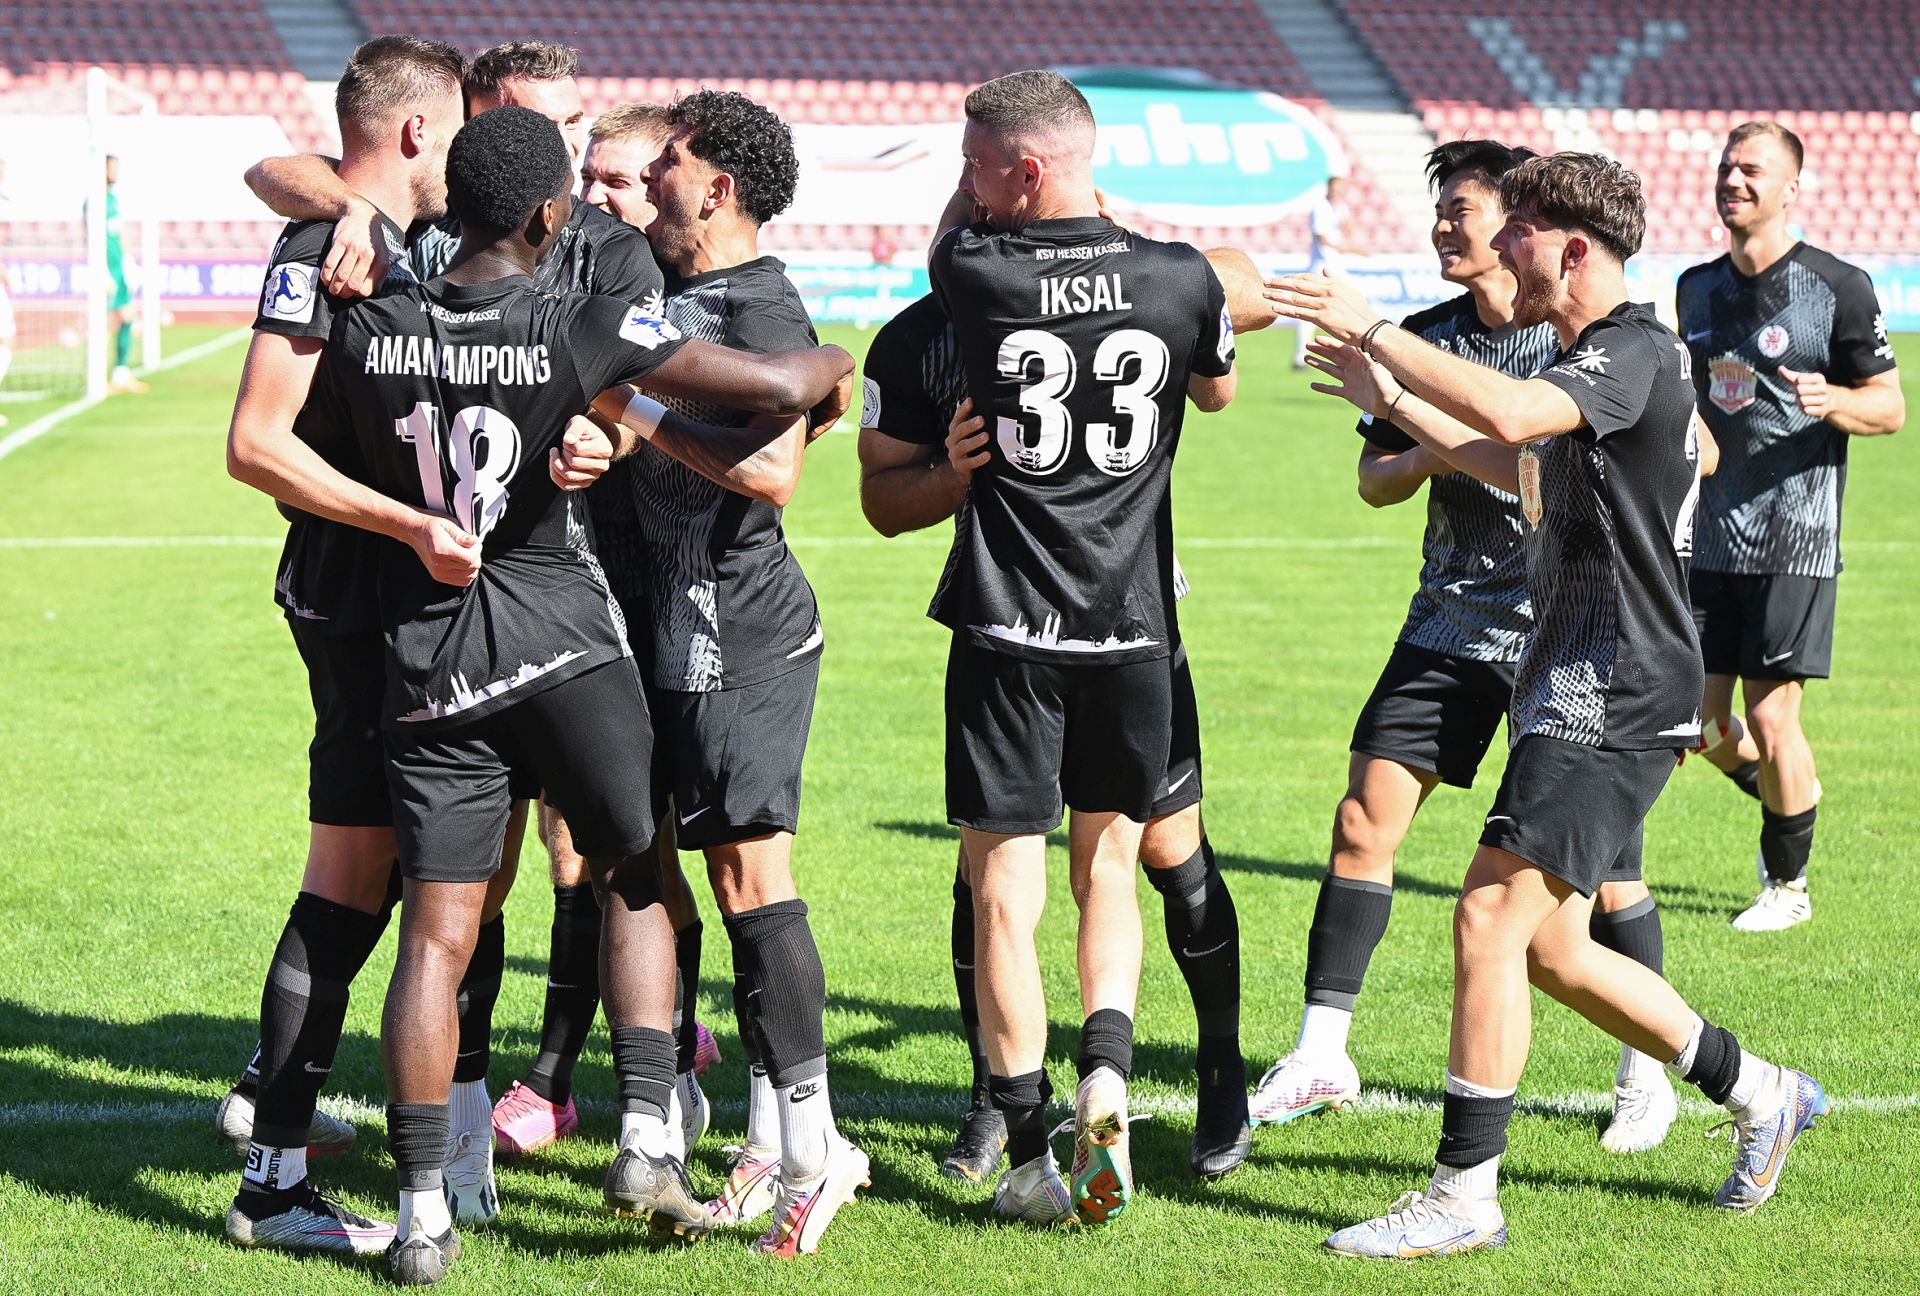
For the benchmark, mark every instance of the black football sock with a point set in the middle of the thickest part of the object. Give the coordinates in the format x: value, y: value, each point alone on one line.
x: 746, y: 998
x: 249, y: 1082
x: 686, y: 961
x: 1473, y: 1129
x: 1349, y: 919
x: 1633, y: 931
x: 1203, y: 934
x: 1746, y: 777
x: 573, y: 992
x: 1022, y: 1099
x: 790, y: 989
x: 963, y: 988
x: 1785, y: 843
x: 302, y: 1010
x: 1716, y: 1062
x: 1106, y: 1041
x: 478, y: 989
x: 643, y: 1066
x: 417, y: 1137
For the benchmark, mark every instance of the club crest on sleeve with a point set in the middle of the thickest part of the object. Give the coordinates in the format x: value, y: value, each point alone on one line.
x: 1733, y: 385
x: 647, y: 330
x: 869, y: 403
x: 289, y: 293
x: 1774, y: 341
x: 1226, y: 335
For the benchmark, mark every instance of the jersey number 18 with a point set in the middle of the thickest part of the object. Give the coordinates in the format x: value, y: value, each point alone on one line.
x: 476, y: 456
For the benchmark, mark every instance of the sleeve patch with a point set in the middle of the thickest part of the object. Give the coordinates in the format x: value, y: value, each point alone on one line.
x: 1225, y: 351
x: 289, y: 293
x: 649, y: 331
x: 869, y: 403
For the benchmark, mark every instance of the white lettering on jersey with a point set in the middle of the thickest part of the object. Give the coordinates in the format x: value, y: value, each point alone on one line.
x: 468, y: 366
x: 289, y: 293
x: 647, y: 330
x: 1080, y: 253
x: 1083, y: 295
x: 869, y: 403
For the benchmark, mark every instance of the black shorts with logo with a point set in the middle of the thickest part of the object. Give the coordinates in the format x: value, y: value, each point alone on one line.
x: 1180, y: 785
x: 346, y: 761
x: 1576, y: 811
x: 1023, y: 737
x: 1434, y: 712
x: 731, y: 759
x: 1764, y: 627
x: 588, y: 742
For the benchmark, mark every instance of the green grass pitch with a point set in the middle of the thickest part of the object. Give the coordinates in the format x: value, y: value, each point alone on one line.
x: 153, y: 721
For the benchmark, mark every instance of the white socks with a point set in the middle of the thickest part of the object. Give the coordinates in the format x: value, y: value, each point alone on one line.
x: 763, y: 1117
x: 469, y: 1109
x: 1474, y: 1184
x: 429, y: 1207
x: 1683, y: 1062
x: 806, y: 1118
x: 275, y: 1168
x: 645, y: 1132
x: 1636, y: 1067
x: 1323, y: 1030
x: 1752, y: 1095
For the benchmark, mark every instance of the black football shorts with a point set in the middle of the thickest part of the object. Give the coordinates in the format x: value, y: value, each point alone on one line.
x: 1575, y: 811
x: 731, y: 759
x: 1180, y: 785
x: 346, y: 761
x: 587, y: 741
x: 1764, y: 627
x: 1024, y: 737
x: 1434, y: 712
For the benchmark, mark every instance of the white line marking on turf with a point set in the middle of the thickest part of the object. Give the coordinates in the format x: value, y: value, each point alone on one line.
x: 54, y: 418
x: 32, y: 1115
x: 141, y: 542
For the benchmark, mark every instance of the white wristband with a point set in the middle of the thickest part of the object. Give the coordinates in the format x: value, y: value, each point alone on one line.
x: 643, y: 415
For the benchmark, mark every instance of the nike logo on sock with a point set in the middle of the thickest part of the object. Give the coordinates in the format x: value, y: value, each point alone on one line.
x: 314, y: 1069
x: 802, y: 1092
x: 1203, y: 953
x: 556, y: 985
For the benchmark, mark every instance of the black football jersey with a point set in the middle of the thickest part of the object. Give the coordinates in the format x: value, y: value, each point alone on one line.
x: 912, y: 379
x: 595, y: 253
x: 1609, y: 509
x: 1078, y: 339
x: 1472, y: 601
x: 327, y: 574
x: 455, y: 394
x: 1774, y: 503
x: 723, y: 602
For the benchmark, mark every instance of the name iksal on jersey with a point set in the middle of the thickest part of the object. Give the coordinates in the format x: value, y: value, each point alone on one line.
x: 1083, y: 295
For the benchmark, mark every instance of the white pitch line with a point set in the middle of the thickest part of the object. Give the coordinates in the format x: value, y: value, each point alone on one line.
x: 141, y: 542
x: 39, y: 1115
x: 800, y: 542
x: 54, y: 418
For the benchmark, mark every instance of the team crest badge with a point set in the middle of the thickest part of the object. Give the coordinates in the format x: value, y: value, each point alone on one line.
x: 869, y: 403
x: 646, y: 330
x: 289, y: 293
x: 1530, y: 505
x: 1733, y: 383
x: 1774, y: 341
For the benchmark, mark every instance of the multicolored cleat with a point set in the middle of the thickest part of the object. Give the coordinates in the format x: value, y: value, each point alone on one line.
x: 302, y: 1218
x: 749, y: 1189
x: 706, y: 1049
x: 1419, y: 1227
x: 326, y: 1135
x: 801, y: 1213
x: 1034, y: 1193
x: 419, y: 1260
x: 1300, y: 1084
x: 467, y: 1179
x: 1761, y: 1147
x: 1102, y: 1160
x: 1643, y: 1112
x: 525, y: 1122
x: 655, y: 1189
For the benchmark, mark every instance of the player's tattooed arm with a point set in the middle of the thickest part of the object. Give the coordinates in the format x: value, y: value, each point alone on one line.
x: 1247, y: 303
x: 761, y: 460
x: 1371, y: 387
x: 1874, y: 408
x: 306, y: 187
x: 905, y: 486
x: 1389, y: 477
x: 264, y: 453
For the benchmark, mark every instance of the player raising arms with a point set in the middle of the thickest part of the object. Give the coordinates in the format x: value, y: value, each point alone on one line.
x: 1605, y: 693
x: 398, y: 103
x: 1080, y: 343
x: 1449, y: 680
x: 456, y: 395
x: 1791, y: 359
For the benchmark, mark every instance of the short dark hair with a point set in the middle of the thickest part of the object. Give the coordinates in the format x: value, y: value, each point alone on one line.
x: 502, y: 165
x: 529, y: 60
x: 389, y: 73
x: 1490, y: 158
x: 732, y: 133
x: 1028, y: 103
x: 1592, y: 193
x: 1788, y: 140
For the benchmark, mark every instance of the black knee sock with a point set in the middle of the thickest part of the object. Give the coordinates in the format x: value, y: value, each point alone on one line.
x: 686, y: 961
x: 478, y: 989
x: 1785, y: 843
x: 746, y: 1000
x: 302, y: 1010
x: 1348, y: 921
x: 573, y: 991
x: 1473, y: 1129
x: 368, y: 940
x: 1716, y: 1063
x: 1203, y: 934
x: 1634, y: 932
x: 790, y: 989
x: 1106, y: 1041
x: 963, y: 988
x: 417, y: 1137
x: 1022, y: 1099
x: 643, y: 1066
x: 1746, y: 777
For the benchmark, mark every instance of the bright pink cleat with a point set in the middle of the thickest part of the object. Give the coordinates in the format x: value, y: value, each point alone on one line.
x: 801, y: 1212
x: 706, y: 1050
x: 524, y: 1122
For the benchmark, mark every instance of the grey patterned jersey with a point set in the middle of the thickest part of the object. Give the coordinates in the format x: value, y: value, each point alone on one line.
x: 1609, y: 507
x: 1472, y: 601
x: 720, y: 601
x: 1774, y: 504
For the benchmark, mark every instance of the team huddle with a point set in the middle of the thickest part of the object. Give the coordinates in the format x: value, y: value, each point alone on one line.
x: 533, y: 451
